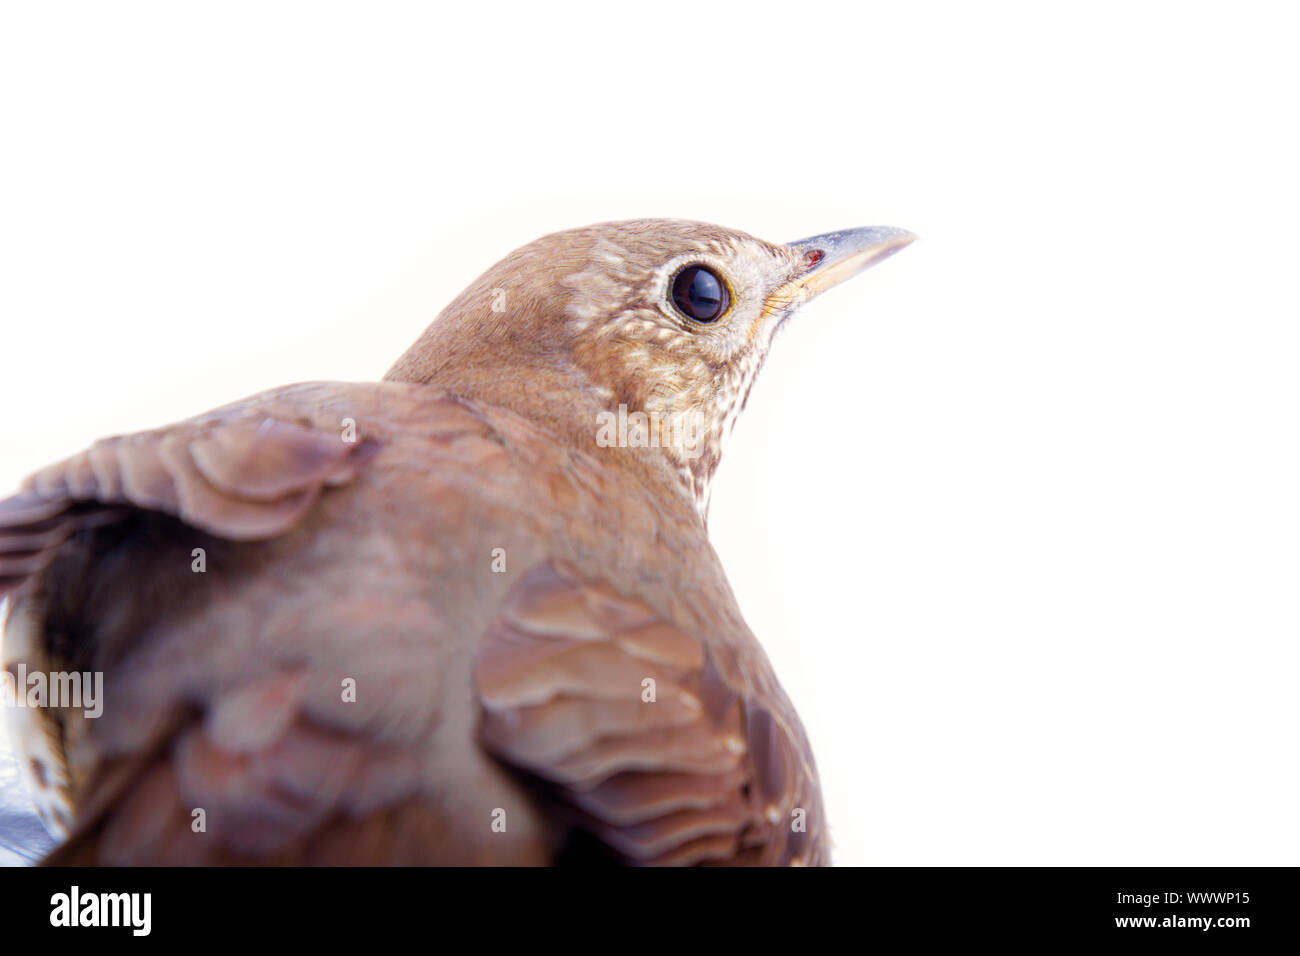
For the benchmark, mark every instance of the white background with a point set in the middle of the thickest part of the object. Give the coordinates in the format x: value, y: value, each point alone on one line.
x: 1017, y: 514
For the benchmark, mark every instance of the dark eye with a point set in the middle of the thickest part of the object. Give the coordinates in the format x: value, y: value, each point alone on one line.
x: 700, y: 294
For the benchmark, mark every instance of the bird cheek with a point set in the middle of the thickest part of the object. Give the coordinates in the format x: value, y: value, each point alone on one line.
x: 716, y: 356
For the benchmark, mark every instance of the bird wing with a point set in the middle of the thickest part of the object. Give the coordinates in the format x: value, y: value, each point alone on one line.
x: 239, y: 473
x: 222, y: 689
x: 637, y: 733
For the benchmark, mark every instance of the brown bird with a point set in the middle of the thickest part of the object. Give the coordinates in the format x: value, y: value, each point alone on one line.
x: 468, y: 614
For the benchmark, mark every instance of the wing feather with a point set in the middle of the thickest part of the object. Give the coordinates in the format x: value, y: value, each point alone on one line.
x: 629, y: 722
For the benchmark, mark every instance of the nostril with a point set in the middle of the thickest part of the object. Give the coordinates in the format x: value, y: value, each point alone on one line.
x: 814, y: 256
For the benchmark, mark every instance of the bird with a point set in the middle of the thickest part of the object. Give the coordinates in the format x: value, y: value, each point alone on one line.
x: 468, y: 614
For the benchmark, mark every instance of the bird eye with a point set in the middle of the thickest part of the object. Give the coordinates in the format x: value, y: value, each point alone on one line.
x: 699, y: 294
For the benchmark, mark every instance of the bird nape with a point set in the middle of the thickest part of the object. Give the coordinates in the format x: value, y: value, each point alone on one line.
x: 467, y: 614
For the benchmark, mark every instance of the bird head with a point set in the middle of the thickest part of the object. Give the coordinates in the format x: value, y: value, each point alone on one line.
x: 647, y: 333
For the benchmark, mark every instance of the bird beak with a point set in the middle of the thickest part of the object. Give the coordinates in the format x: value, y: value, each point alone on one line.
x: 837, y: 256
